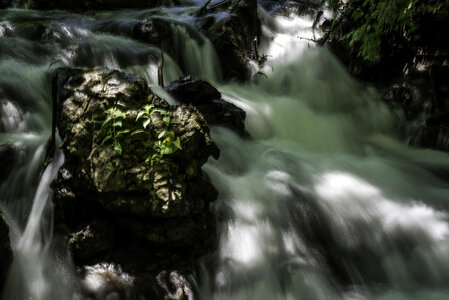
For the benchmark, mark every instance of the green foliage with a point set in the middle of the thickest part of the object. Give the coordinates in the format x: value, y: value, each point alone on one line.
x: 166, y: 143
x: 370, y: 23
x: 114, y: 123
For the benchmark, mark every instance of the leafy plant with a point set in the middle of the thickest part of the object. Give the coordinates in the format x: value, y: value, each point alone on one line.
x: 166, y: 143
x: 114, y: 123
x: 375, y: 21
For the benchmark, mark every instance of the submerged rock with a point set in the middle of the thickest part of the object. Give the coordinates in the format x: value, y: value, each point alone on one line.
x: 208, y: 100
x: 5, y: 250
x: 112, y: 198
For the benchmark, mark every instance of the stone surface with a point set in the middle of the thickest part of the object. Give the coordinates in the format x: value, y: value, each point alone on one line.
x: 189, y: 90
x: 208, y: 100
x: 92, y: 240
x: 119, y: 208
x: 175, y: 285
x: 152, y: 30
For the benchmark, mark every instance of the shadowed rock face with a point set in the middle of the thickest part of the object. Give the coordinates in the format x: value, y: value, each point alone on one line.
x: 121, y: 208
x: 208, y: 100
x: 5, y: 251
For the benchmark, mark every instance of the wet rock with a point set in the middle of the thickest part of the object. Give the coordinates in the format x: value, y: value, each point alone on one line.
x: 91, y: 240
x: 189, y: 90
x: 5, y: 250
x: 108, y: 281
x: 208, y: 100
x: 93, y: 5
x: 175, y: 285
x: 126, y: 182
x: 152, y: 30
x: 117, y: 206
x: 233, y: 37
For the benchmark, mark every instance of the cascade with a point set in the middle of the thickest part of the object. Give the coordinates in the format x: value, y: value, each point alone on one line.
x: 324, y: 201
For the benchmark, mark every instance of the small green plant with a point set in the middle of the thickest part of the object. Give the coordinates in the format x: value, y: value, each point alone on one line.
x: 114, y: 123
x: 167, y: 143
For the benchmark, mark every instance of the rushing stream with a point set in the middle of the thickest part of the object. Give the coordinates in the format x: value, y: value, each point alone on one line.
x: 324, y: 201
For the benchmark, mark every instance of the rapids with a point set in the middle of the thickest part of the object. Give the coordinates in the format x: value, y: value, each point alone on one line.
x: 324, y: 201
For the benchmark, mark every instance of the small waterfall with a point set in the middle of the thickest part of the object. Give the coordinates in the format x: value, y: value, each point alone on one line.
x: 325, y: 201
x: 34, y: 271
x: 195, y: 53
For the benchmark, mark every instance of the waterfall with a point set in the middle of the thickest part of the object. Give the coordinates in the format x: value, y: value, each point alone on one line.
x: 323, y: 201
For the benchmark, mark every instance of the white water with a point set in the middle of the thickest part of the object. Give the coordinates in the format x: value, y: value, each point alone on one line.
x: 324, y: 202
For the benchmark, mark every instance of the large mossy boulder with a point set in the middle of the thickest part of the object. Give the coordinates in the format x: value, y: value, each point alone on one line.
x: 127, y: 182
x: 5, y: 250
x: 119, y: 206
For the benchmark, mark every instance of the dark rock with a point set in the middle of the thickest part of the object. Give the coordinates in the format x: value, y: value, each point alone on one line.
x: 91, y: 240
x: 152, y: 30
x: 221, y: 112
x: 233, y: 38
x: 175, y: 285
x: 126, y: 183
x: 5, y: 250
x: 208, y: 100
x: 188, y: 90
x: 119, y: 208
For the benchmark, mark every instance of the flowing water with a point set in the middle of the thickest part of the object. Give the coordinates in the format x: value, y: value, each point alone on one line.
x: 325, y: 201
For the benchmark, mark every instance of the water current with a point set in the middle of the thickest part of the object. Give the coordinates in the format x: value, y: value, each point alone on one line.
x: 324, y: 201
